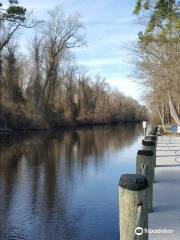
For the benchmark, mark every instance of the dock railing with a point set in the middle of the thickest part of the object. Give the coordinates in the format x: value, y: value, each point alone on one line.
x: 136, y: 192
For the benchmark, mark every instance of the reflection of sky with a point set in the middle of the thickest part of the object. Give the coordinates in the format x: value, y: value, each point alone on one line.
x: 109, y: 28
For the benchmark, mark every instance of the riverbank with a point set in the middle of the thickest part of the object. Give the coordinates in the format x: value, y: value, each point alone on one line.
x: 27, y: 120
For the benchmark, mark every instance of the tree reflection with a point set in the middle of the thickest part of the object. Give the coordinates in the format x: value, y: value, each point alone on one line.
x: 38, y: 173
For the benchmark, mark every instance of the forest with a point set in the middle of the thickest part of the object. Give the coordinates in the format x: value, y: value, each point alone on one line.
x: 44, y: 87
x: 156, y: 58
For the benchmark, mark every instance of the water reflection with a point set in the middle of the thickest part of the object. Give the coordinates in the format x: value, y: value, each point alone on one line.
x: 49, y: 182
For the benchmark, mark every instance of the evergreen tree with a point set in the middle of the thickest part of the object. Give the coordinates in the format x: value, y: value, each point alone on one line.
x: 163, y: 17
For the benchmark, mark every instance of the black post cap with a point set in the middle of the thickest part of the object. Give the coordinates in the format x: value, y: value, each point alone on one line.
x: 148, y: 143
x: 153, y: 131
x: 134, y: 182
x: 145, y: 152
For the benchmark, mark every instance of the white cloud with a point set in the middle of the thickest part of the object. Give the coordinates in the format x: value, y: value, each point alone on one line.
x: 103, y: 62
x: 127, y: 86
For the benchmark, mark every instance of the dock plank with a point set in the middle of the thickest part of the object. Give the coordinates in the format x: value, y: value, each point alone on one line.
x: 166, y: 201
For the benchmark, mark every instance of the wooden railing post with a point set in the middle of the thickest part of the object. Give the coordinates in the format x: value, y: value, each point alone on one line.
x: 153, y: 135
x: 132, y: 195
x: 145, y: 166
x: 150, y: 145
x: 151, y: 138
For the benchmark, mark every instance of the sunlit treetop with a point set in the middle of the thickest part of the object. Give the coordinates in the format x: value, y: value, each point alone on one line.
x: 162, y: 14
x: 13, y: 13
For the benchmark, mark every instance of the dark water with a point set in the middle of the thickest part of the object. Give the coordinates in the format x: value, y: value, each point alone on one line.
x: 64, y: 185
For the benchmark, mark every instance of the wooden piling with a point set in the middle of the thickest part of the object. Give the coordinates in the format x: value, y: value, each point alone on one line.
x: 152, y: 135
x: 151, y: 138
x: 145, y: 166
x: 150, y: 145
x: 132, y: 195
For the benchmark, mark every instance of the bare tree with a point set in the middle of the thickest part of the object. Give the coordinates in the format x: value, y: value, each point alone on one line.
x: 34, y: 89
x: 157, y: 68
x: 12, y: 74
x: 60, y: 33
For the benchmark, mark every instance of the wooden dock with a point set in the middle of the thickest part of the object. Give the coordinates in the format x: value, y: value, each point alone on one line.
x: 166, y: 202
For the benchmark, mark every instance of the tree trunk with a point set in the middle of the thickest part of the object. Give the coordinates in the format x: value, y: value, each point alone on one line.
x: 161, y: 117
x: 173, y: 111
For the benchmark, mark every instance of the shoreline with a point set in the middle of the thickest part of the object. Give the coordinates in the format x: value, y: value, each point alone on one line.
x: 4, y: 131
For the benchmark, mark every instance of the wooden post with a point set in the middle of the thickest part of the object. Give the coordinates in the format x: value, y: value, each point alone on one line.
x: 152, y: 134
x: 144, y: 133
x: 132, y: 193
x: 157, y: 133
x: 145, y: 128
x: 153, y: 131
x: 145, y: 166
x: 150, y: 145
x: 151, y: 138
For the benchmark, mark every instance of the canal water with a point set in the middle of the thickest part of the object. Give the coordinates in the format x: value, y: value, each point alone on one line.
x: 64, y: 185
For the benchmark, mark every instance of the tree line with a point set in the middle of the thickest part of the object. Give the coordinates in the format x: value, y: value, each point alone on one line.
x: 46, y: 87
x: 157, y: 58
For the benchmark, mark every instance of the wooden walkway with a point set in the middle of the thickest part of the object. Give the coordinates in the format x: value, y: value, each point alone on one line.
x: 166, y: 192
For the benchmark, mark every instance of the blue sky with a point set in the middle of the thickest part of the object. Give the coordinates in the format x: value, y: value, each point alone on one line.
x: 110, y: 26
